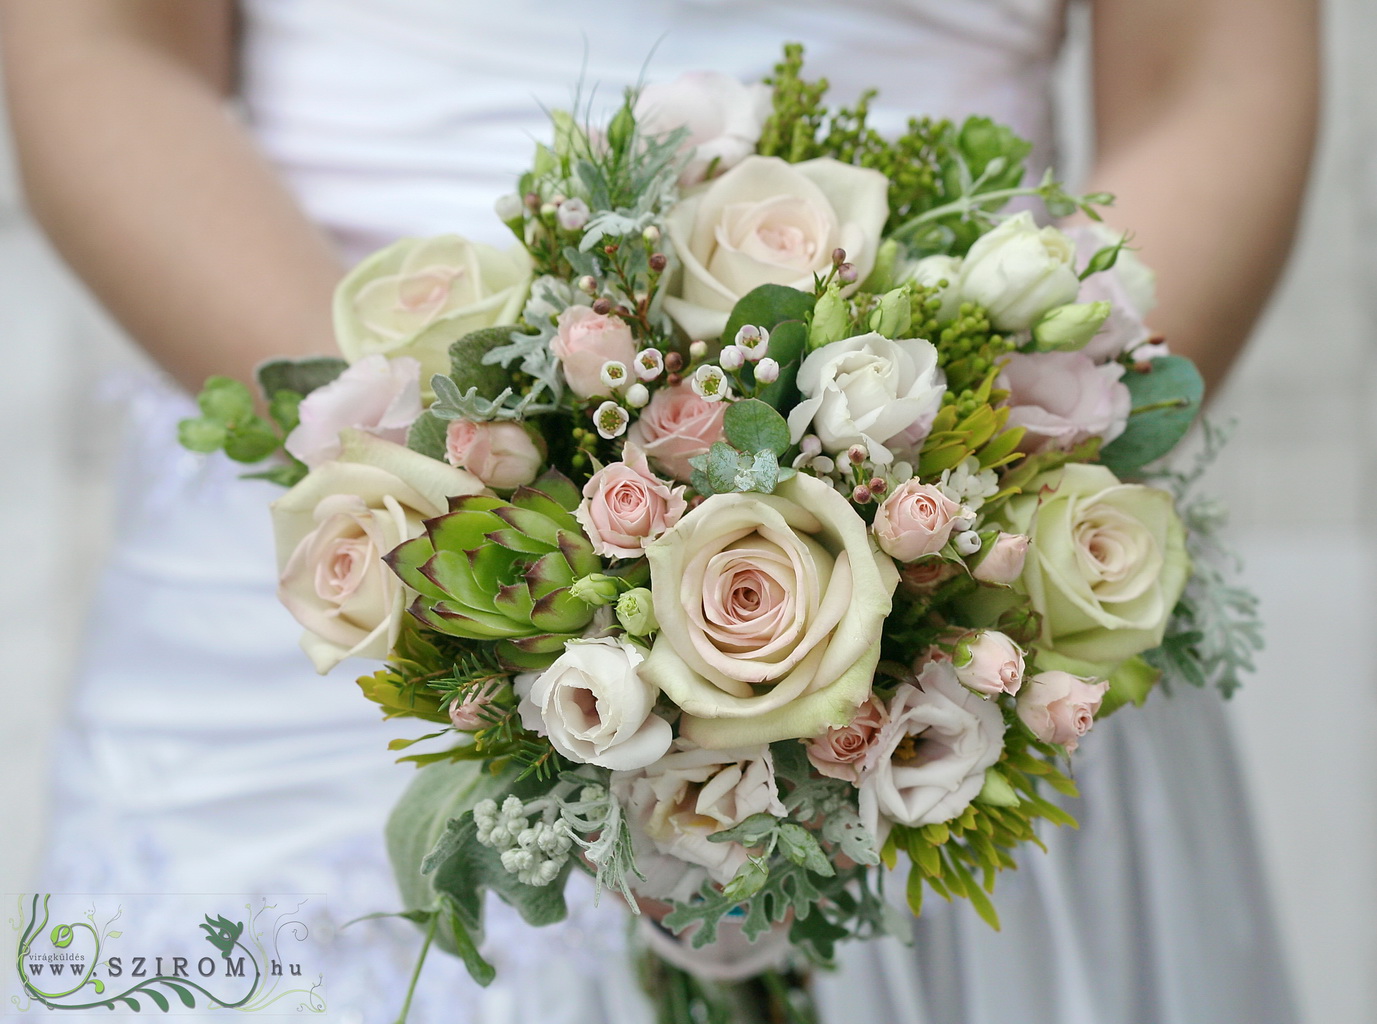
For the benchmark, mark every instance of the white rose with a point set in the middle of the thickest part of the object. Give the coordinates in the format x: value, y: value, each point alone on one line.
x: 724, y: 118
x: 869, y: 390
x: 1019, y: 271
x: 676, y: 803
x: 770, y: 222
x: 396, y: 301
x: 594, y: 706
x: 930, y: 272
x: 930, y: 761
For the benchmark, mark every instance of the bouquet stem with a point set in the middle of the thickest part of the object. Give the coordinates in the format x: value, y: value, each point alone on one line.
x: 776, y: 997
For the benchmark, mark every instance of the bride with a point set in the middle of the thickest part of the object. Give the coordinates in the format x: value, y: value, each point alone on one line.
x: 216, y: 233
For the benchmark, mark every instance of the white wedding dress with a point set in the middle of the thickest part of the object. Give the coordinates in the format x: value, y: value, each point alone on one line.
x: 202, y: 754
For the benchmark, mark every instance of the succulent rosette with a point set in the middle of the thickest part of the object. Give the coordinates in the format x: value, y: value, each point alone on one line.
x: 781, y: 506
x: 501, y: 571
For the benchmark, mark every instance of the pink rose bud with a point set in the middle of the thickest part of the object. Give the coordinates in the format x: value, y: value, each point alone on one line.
x: 919, y: 579
x: 586, y: 340
x: 1059, y: 707
x: 501, y: 453
x: 914, y: 521
x: 1004, y: 562
x: 844, y: 752
x: 675, y: 426
x: 988, y: 662
x: 467, y: 715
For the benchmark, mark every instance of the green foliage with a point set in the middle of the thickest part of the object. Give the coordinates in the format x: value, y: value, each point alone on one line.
x: 299, y: 375
x: 469, y: 367
x: 784, y: 313
x: 427, y: 435
x: 752, y: 426
x: 228, y: 423
x: 1166, y: 398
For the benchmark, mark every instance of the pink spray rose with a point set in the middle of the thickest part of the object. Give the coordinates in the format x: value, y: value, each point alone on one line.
x: 625, y: 506
x: 842, y: 752
x: 501, y: 453
x: 1063, y: 398
x: 586, y: 340
x: 379, y: 395
x: 1060, y: 708
x: 916, y: 520
x: 676, y: 425
x: 989, y: 663
x: 1004, y: 561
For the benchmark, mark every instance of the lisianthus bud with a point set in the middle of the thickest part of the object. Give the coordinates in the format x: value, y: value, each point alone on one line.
x: 1069, y: 328
x: 596, y: 589
x: 636, y: 613
x: 894, y: 315
x: 831, y: 317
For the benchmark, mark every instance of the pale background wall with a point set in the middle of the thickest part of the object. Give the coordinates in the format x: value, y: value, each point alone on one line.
x: 1300, y: 477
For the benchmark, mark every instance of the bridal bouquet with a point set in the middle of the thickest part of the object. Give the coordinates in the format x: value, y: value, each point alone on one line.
x: 760, y: 519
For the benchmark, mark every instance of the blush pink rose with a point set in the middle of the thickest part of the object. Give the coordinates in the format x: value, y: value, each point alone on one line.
x: 675, y: 426
x: 1060, y: 708
x: 1063, y: 398
x: 843, y: 752
x: 584, y: 342
x: 989, y: 663
x: 1004, y: 561
x: 625, y: 506
x: 501, y: 453
x: 916, y: 520
x: 378, y: 395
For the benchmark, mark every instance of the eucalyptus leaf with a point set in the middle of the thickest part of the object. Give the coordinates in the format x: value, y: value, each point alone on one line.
x: 767, y: 306
x: 1165, y: 399
x: 752, y: 426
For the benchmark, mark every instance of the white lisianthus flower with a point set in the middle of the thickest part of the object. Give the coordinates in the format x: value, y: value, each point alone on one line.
x: 675, y: 804
x: 1019, y: 271
x: 419, y: 295
x: 871, y: 391
x: 770, y: 222
x: 929, y: 762
x: 595, y: 707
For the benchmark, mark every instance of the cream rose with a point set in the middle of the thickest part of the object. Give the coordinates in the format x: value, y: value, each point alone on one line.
x: 1060, y: 708
x: 770, y: 609
x: 930, y: 760
x: 677, y: 425
x: 675, y: 804
x: 871, y: 391
x: 332, y: 530
x: 595, y: 707
x: 376, y: 394
x: 419, y: 295
x: 1106, y: 562
x: 770, y: 222
x: 625, y: 506
x: 723, y: 115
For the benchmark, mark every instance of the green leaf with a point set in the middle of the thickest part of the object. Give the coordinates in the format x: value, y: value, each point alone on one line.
x: 751, y: 832
x: 1165, y: 400
x: 724, y: 462
x: 300, y: 375
x: 479, y: 969
x: 159, y: 999
x: 748, y: 881
x: 982, y: 142
x: 427, y: 435
x: 753, y: 426
x: 1104, y: 259
x: 284, y: 410
x: 766, y: 306
x: 466, y: 360
x: 287, y: 476
x: 802, y: 847
x: 913, y: 890
x: 225, y: 400
x: 201, y: 435
x: 188, y: 1000
x: 253, y: 441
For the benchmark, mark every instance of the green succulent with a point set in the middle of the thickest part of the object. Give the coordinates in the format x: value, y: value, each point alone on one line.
x: 501, y: 571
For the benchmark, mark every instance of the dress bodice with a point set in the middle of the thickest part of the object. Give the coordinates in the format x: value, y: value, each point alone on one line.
x: 402, y: 117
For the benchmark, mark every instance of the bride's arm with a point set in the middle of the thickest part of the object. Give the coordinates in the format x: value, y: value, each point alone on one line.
x: 152, y: 191
x: 1205, y: 115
